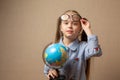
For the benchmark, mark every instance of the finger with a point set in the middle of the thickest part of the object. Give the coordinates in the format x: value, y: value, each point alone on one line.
x: 83, y: 21
x: 51, y: 75
x: 54, y: 72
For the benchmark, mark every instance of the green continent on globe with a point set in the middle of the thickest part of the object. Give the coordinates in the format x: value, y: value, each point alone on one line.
x: 46, y: 55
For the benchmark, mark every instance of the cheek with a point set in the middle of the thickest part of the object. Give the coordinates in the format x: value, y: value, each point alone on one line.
x: 62, y: 28
x: 78, y: 29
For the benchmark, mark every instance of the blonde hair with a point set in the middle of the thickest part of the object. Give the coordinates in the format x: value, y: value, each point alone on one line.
x: 82, y: 36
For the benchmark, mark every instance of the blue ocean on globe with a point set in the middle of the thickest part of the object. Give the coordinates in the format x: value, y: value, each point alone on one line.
x: 55, y: 55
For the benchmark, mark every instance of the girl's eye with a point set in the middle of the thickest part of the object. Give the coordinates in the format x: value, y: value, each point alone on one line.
x: 75, y: 23
x: 66, y: 23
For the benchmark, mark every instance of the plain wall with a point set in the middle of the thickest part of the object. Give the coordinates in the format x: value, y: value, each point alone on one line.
x: 26, y: 26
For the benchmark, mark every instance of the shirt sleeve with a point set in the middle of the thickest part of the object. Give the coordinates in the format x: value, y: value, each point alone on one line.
x: 92, y: 47
x: 46, y: 69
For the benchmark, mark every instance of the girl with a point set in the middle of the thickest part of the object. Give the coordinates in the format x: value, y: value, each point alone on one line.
x: 74, y: 32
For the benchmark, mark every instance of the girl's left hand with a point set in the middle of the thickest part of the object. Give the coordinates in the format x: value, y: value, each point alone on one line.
x: 85, y: 23
x: 86, y: 26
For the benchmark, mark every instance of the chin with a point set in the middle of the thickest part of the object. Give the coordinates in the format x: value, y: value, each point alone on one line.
x: 70, y: 37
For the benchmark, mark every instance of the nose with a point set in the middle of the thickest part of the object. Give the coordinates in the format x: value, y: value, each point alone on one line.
x: 70, y: 24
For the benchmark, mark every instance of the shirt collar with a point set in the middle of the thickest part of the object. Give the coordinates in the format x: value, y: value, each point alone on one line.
x: 73, y: 46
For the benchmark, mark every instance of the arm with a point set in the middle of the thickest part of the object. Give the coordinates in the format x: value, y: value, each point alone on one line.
x: 86, y: 26
x: 92, y: 46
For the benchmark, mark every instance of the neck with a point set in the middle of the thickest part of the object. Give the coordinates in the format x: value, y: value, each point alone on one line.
x: 67, y: 41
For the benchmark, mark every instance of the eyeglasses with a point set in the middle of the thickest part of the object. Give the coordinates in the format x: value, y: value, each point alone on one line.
x: 74, y: 17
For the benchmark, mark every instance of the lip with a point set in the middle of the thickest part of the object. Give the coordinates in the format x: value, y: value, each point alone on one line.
x: 69, y: 31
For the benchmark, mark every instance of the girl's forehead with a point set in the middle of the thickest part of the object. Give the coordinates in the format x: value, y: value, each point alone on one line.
x: 70, y: 13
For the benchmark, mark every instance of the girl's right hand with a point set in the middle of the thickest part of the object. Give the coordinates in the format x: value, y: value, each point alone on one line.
x: 52, y: 73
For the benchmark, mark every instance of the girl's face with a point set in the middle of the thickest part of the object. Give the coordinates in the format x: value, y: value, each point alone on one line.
x: 70, y: 26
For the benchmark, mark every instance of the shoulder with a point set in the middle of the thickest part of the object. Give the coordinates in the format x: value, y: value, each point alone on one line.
x: 82, y: 44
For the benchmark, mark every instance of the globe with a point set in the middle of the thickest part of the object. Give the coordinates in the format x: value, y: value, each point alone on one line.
x: 55, y: 55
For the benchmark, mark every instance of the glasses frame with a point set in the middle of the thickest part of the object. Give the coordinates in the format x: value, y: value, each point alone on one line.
x: 74, y: 17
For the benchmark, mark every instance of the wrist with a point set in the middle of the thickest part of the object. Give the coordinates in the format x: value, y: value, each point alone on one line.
x: 88, y: 32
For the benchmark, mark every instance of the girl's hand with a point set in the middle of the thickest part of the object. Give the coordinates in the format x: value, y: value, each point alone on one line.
x: 52, y: 73
x: 86, y: 26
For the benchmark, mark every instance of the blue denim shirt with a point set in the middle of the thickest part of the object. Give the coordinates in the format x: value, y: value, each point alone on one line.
x: 79, y: 52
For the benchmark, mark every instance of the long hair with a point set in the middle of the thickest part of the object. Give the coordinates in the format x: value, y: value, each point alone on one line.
x: 82, y: 36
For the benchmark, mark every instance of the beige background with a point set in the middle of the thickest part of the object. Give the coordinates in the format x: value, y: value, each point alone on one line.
x: 26, y: 26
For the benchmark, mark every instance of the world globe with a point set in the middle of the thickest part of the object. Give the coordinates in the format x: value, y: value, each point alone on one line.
x: 55, y: 55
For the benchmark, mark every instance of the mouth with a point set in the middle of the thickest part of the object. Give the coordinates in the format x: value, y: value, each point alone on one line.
x: 69, y: 31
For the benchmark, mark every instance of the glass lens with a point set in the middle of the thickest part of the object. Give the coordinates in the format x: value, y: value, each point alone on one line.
x: 75, y: 17
x: 65, y: 17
